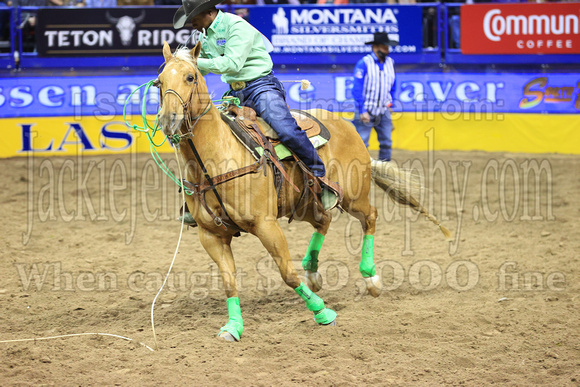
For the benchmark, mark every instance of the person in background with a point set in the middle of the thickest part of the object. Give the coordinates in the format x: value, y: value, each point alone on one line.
x: 242, y: 7
x: 334, y: 2
x: 66, y: 3
x: 277, y: 2
x: 167, y: 2
x: 122, y: 3
x: 101, y: 3
x: 374, y: 77
x: 5, y: 25
x: 27, y: 22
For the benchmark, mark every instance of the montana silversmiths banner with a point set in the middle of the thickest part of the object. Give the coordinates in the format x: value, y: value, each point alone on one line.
x: 339, y: 29
x: 106, y: 31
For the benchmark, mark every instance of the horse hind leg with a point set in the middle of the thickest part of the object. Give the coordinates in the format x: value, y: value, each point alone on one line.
x: 367, y: 215
x: 275, y: 242
x: 219, y: 249
x: 320, y: 221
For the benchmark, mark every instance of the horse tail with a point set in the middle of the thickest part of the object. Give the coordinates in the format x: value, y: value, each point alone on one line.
x: 398, y: 184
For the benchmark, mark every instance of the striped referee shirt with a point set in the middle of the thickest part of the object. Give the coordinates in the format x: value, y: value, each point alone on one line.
x: 373, y: 81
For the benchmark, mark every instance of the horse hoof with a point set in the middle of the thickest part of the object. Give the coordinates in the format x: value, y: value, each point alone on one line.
x: 326, y: 317
x: 330, y: 324
x: 374, y: 285
x: 227, y: 336
x: 313, y: 280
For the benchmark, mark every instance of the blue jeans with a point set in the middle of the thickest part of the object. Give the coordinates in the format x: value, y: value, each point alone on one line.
x: 266, y: 96
x: 383, y: 126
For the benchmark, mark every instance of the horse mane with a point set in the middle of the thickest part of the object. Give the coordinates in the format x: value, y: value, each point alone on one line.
x: 184, y: 54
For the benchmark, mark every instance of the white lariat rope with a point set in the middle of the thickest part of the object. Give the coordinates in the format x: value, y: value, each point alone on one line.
x: 174, y: 255
x: 152, y: 305
x: 77, y: 334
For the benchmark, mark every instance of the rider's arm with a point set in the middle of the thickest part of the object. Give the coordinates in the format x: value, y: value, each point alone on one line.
x: 237, y: 48
x: 202, y: 55
x: 360, y: 71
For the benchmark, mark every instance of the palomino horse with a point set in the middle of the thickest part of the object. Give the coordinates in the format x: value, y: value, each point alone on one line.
x: 251, y: 201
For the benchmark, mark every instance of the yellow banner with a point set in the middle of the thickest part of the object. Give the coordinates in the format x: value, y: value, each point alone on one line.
x: 528, y: 133
x: 500, y: 132
x: 59, y: 136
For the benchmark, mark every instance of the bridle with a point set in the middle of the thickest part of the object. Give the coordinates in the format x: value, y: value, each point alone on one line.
x: 210, y: 183
x: 185, y: 104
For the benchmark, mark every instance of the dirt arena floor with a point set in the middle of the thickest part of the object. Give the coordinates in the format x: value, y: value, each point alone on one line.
x: 86, y: 243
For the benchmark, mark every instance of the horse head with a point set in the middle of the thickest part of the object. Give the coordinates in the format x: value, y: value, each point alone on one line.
x: 180, y: 84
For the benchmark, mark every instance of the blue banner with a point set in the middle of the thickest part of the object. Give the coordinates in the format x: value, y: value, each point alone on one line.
x: 507, y: 93
x: 314, y: 29
x: 104, y: 97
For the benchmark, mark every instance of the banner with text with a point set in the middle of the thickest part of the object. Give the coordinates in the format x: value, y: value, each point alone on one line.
x: 498, y: 132
x: 104, y: 97
x: 552, y: 28
x: 312, y: 29
x: 106, y: 31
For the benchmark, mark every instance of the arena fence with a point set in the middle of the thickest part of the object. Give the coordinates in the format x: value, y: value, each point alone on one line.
x: 511, y: 110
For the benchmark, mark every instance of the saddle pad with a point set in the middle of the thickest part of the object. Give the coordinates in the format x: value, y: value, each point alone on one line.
x: 317, y: 132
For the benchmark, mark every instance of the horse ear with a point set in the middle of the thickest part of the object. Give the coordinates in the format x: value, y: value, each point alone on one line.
x: 195, y: 51
x: 166, y: 52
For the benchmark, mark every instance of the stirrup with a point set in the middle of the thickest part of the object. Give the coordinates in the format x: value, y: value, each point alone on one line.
x: 330, y: 195
x: 329, y: 198
x: 188, y: 219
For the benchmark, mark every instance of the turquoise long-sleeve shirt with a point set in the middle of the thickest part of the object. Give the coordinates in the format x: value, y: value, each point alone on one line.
x: 233, y: 48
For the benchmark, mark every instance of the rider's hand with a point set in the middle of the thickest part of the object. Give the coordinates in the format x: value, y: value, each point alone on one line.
x: 365, y: 117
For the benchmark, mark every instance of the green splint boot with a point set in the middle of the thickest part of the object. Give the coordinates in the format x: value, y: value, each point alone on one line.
x: 325, y: 316
x: 188, y: 219
x: 328, y: 198
x: 234, y: 329
x: 235, y: 325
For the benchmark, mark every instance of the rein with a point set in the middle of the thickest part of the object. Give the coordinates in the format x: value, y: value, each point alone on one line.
x: 176, y: 139
x: 209, y: 184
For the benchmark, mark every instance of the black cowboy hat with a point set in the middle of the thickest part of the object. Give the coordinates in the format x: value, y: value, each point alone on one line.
x: 382, y: 38
x: 190, y: 9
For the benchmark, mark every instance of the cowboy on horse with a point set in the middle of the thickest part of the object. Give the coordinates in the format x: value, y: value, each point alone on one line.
x: 243, y: 200
x: 230, y: 46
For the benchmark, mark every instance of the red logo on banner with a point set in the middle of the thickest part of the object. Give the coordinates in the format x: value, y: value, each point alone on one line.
x: 520, y: 28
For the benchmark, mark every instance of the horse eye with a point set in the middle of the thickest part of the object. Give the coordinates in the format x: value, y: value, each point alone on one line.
x: 189, y: 78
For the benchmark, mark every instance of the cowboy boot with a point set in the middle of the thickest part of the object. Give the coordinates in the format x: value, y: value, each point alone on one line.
x: 184, y: 213
x: 330, y: 195
x: 188, y: 219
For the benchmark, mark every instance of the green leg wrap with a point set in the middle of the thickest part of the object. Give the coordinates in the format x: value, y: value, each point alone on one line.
x: 322, y: 315
x: 235, y: 325
x: 367, y: 265
x: 310, y: 261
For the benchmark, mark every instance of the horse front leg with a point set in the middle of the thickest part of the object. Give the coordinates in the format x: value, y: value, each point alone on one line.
x: 219, y: 249
x: 273, y: 239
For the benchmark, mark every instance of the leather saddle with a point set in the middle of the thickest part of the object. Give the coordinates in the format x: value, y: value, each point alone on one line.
x: 252, y: 131
x: 247, y: 120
